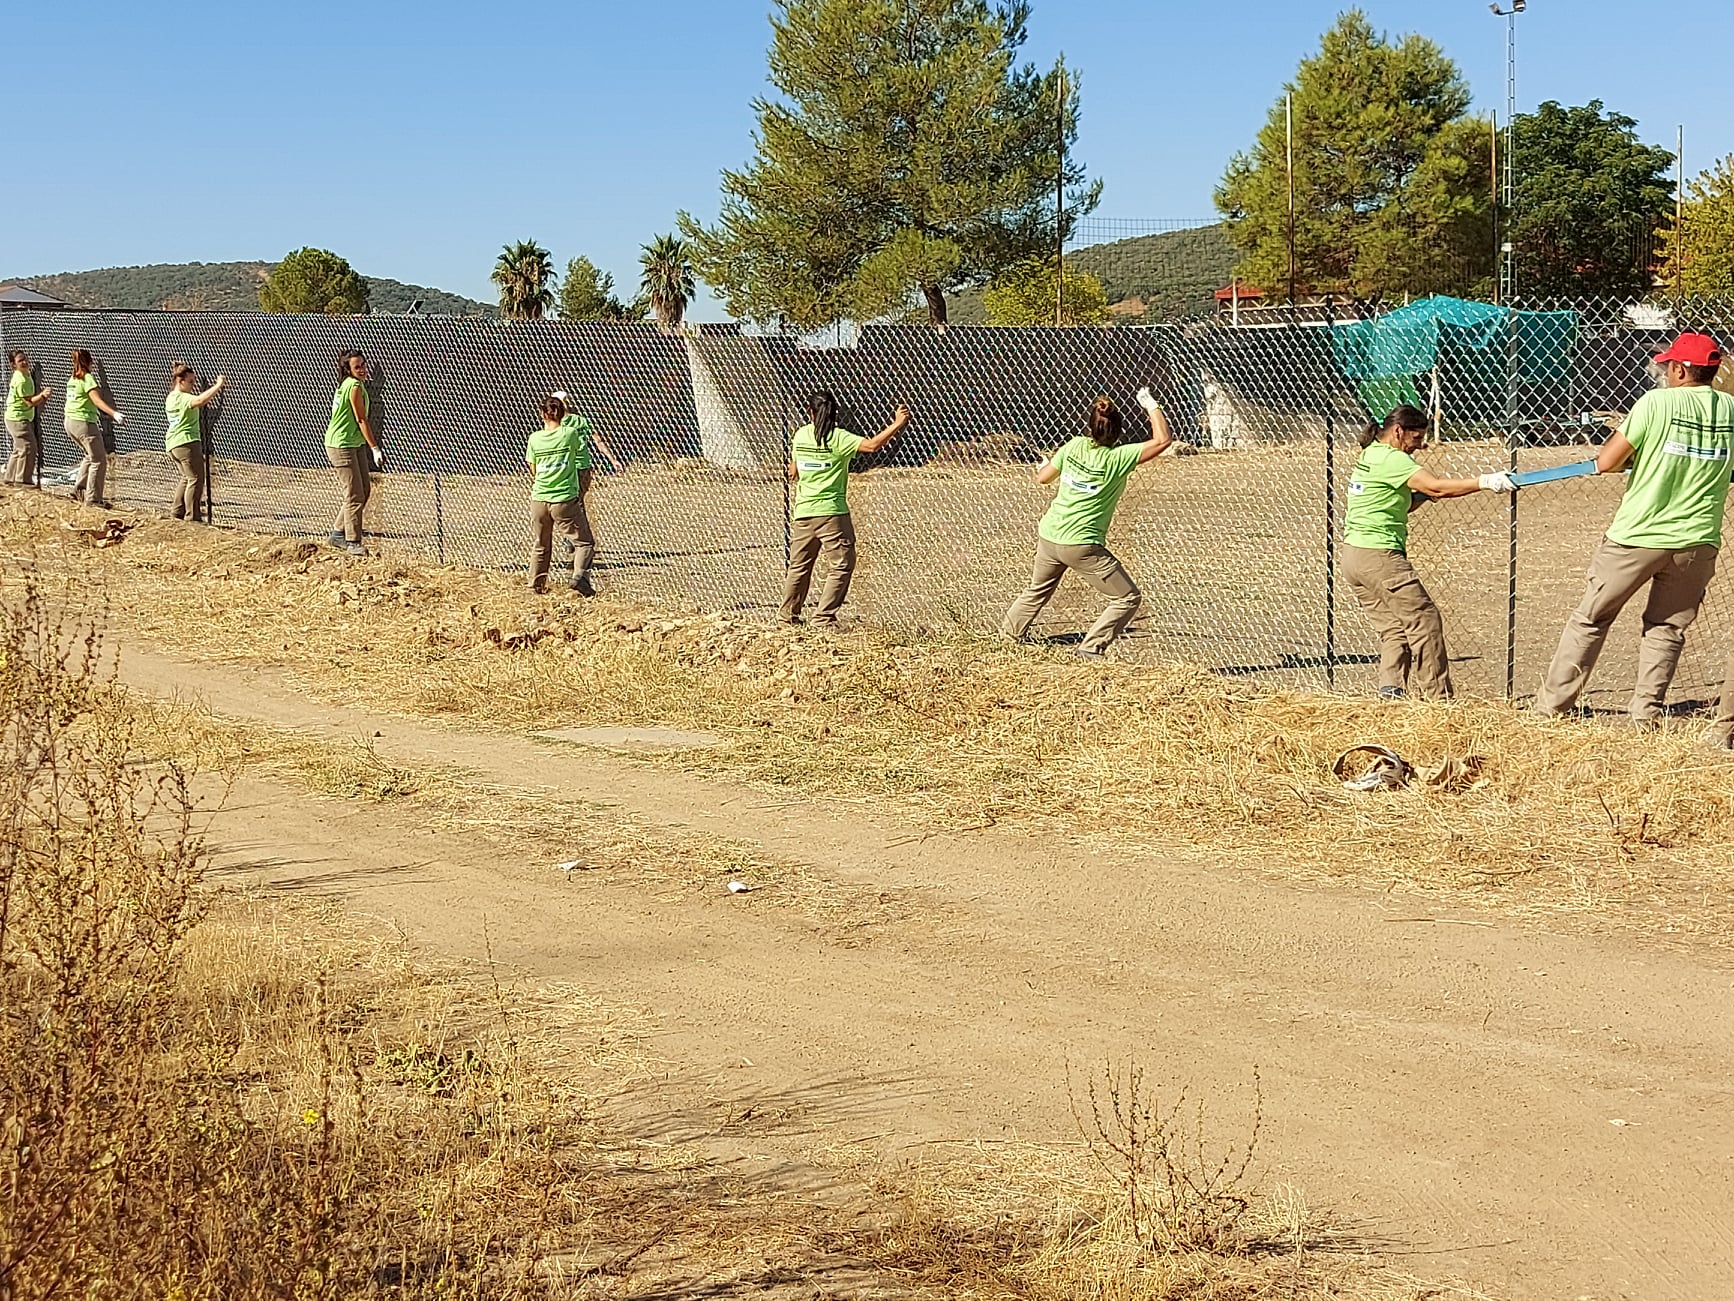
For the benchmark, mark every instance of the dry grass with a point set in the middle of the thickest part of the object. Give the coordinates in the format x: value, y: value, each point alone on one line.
x: 217, y: 1096
x: 1588, y: 820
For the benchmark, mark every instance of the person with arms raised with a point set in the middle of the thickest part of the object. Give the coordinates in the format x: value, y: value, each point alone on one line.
x: 1092, y: 470
x: 820, y: 454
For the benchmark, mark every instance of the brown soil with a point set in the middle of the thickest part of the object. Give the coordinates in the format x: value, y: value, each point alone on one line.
x: 1542, y: 1115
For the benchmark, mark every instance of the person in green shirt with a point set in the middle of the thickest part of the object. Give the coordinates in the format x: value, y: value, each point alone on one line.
x: 353, y: 450
x: 184, y: 441
x: 580, y: 544
x: 1386, y: 484
x: 819, y: 520
x: 1092, y: 470
x: 22, y: 399
x: 84, y: 400
x: 1679, y: 443
x: 558, y: 455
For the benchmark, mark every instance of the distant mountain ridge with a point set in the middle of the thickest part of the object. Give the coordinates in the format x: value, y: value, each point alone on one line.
x: 1173, y: 275
x: 222, y: 287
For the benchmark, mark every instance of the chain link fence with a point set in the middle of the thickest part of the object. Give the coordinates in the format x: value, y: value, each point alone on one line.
x: 1233, y: 537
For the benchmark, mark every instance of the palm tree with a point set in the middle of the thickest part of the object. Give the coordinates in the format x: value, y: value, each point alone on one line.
x: 668, y: 279
x: 525, y: 275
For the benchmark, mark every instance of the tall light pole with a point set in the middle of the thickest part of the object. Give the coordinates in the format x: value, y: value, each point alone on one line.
x: 1507, y: 254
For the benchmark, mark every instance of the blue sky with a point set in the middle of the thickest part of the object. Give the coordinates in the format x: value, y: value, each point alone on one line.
x: 417, y: 138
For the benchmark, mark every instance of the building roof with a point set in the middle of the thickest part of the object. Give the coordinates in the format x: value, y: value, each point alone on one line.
x: 25, y: 296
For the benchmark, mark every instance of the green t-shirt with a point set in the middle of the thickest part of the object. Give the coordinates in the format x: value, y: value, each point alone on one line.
x: 822, y: 473
x: 183, y: 420
x: 580, y: 428
x: 1679, y: 486
x: 1378, y: 512
x: 78, y: 403
x: 1092, y: 479
x: 344, y: 430
x: 553, y: 455
x: 21, y: 387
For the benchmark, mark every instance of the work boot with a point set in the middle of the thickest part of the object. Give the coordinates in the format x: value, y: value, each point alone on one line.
x: 581, y: 583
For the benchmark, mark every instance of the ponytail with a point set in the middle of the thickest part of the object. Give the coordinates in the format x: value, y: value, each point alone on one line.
x: 1403, y: 417
x: 553, y: 409
x: 822, y: 411
x: 1104, y: 423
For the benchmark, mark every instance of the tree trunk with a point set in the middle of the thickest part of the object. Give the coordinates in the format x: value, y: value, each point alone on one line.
x: 935, y: 306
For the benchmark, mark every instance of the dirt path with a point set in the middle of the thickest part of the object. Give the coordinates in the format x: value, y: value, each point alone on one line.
x: 1546, y: 1116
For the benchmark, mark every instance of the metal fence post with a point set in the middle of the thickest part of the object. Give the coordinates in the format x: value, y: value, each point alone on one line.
x: 439, y: 520
x: 783, y: 473
x: 1330, y: 509
x: 1511, y: 444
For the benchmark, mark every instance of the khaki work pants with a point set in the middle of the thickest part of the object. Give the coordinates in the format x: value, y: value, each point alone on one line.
x: 1412, y: 654
x: 570, y: 520
x: 191, y: 458
x: 1099, y: 567
x: 351, y: 464
x: 21, y: 465
x: 1677, y: 581
x: 93, y: 470
x: 835, y: 536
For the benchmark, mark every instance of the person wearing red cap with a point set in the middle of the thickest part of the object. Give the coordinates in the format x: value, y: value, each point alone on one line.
x: 1679, y: 442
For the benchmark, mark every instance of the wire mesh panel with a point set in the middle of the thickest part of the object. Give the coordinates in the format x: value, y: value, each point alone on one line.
x: 1234, y: 537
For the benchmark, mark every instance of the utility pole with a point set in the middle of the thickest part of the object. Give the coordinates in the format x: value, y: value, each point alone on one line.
x: 1508, y: 253
x: 1493, y: 192
x: 1289, y: 113
x: 1060, y: 206
x: 1680, y: 213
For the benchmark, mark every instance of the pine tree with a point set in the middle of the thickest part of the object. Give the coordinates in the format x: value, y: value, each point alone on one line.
x: 1590, y: 198
x: 1392, y: 188
x: 313, y: 281
x: 908, y: 156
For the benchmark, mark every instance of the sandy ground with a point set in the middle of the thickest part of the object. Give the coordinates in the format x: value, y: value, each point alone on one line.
x: 1229, y: 547
x: 1545, y: 1116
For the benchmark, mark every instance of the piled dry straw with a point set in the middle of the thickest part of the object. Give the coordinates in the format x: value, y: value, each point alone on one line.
x: 963, y: 731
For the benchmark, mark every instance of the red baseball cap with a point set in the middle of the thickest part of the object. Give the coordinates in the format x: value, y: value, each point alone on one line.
x: 1693, y: 350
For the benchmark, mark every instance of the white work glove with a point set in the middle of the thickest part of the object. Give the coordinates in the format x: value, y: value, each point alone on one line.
x: 378, y: 458
x: 561, y: 394
x: 1498, y: 481
x: 119, y: 417
x: 1147, y: 400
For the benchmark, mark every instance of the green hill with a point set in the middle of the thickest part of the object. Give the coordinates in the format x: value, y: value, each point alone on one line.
x: 222, y: 287
x: 1175, y: 274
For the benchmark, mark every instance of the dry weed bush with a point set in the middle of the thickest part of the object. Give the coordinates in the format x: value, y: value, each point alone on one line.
x: 1180, y: 1195
x: 185, y: 1114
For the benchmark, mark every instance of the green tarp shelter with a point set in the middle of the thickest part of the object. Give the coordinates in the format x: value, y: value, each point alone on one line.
x: 1470, y: 347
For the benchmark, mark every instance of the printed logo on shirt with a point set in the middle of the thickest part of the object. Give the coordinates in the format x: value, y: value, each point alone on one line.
x: 813, y: 466
x: 1356, y: 487
x: 1675, y: 448
x: 1089, y: 487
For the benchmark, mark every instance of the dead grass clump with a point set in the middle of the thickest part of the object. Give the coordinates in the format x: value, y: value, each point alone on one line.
x: 190, y: 1117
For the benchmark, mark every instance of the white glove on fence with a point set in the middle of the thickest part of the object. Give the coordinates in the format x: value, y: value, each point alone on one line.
x: 1147, y: 400
x: 1498, y: 481
x: 120, y: 417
